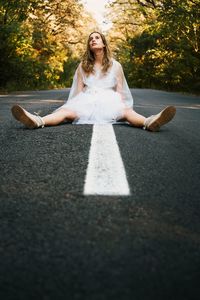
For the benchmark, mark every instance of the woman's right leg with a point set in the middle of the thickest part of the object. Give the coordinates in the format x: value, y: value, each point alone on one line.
x: 35, y: 121
x: 59, y: 116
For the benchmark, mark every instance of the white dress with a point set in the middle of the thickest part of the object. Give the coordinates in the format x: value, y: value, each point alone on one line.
x: 103, y: 98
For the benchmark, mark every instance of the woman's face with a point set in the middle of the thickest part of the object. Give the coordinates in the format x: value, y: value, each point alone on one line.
x: 95, y: 41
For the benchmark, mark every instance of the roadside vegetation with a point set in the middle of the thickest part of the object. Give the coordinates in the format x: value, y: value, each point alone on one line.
x: 40, y: 42
x: 157, y: 42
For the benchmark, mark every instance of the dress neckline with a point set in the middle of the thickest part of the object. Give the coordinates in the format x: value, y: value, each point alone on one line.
x: 97, y: 69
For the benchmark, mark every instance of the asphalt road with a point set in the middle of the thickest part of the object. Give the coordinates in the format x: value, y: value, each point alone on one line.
x: 56, y: 243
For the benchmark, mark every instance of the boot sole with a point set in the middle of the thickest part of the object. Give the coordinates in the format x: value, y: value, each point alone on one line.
x: 20, y: 115
x: 163, y: 118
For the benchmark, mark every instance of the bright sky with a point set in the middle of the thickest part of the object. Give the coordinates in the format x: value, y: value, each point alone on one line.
x: 97, y: 8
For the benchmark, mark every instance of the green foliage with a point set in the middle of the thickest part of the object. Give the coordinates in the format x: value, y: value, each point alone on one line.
x: 69, y: 67
x: 164, y: 50
x: 37, y: 39
x: 157, y: 42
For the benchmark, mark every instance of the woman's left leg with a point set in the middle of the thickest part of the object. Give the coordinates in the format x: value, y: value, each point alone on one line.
x: 152, y: 123
x: 134, y: 118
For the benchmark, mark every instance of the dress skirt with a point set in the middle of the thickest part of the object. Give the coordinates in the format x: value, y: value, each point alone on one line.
x: 96, y: 106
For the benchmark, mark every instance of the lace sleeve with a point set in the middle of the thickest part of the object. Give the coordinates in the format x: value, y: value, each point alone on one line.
x: 122, y: 86
x: 77, y: 84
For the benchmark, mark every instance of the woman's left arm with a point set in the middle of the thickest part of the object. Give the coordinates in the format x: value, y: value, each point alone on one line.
x: 122, y: 87
x: 120, y: 81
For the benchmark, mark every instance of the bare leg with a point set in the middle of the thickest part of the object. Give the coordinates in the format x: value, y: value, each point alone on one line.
x: 134, y: 118
x: 31, y: 121
x: 152, y: 123
x: 59, y: 116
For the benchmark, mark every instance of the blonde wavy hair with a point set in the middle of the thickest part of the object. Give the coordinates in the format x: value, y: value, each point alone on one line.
x: 88, y: 59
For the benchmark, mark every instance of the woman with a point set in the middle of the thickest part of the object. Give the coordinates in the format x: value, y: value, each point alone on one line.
x: 99, y: 95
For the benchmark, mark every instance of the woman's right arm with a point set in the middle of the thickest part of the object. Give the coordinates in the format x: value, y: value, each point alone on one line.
x: 80, y: 84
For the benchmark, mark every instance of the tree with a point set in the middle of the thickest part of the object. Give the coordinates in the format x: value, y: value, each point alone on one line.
x: 37, y: 38
x: 161, y: 47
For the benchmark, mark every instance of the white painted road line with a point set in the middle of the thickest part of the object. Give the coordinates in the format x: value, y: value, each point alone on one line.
x: 105, y: 172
